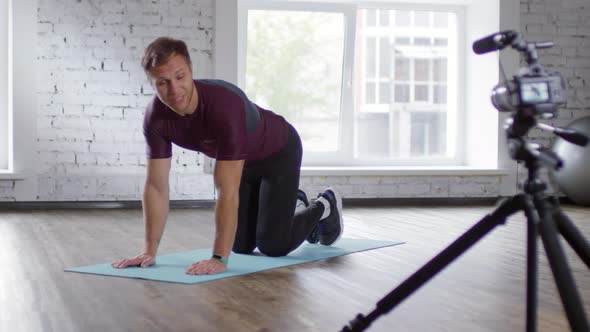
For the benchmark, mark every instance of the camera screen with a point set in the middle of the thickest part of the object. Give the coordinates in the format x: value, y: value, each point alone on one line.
x: 534, y: 92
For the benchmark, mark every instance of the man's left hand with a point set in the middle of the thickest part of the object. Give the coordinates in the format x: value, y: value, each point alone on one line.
x: 211, y: 266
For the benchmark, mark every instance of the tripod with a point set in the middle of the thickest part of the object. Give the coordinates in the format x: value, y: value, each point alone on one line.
x: 544, y: 217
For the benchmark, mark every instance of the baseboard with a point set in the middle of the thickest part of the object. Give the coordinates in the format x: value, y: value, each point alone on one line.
x: 420, y: 201
x: 209, y: 204
x: 66, y: 205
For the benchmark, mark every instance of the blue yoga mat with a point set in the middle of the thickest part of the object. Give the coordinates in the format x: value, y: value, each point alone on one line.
x: 171, y: 267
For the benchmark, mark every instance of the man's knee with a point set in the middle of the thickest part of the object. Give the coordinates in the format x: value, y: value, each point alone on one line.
x: 273, y: 249
x: 243, y: 249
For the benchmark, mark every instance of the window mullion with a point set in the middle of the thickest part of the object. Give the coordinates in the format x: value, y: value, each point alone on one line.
x: 347, y: 128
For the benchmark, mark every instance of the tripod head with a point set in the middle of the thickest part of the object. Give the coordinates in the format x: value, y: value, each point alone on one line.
x: 518, y: 126
x: 531, y: 94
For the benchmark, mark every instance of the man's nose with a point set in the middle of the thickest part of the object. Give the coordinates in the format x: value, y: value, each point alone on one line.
x: 173, y: 88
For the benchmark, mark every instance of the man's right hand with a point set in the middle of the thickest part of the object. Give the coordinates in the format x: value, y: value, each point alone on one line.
x: 143, y: 260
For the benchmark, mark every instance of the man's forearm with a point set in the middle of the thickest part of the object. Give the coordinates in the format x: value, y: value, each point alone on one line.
x: 226, y: 221
x: 155, y: 213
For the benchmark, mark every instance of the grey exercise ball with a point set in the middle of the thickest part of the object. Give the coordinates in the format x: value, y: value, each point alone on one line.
x: 574, y: 177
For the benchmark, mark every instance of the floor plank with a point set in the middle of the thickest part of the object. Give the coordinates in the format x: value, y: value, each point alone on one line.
x: 483, y: 290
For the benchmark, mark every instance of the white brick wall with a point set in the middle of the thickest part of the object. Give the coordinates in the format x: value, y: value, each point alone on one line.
x: 567, y: 24
x: 405, y: 186
x: 91, y: 94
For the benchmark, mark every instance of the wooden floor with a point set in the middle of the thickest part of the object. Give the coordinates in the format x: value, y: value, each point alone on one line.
x: 483, y: 290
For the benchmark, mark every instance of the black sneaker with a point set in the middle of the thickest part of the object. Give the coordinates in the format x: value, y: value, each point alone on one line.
x: 301, y: 196
x: 314, y: 236
x: 331, y: 227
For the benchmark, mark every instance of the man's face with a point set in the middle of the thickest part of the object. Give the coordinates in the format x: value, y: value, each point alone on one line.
x: 173, y: 81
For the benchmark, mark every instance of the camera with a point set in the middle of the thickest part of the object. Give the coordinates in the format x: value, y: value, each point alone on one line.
x: 532, y: 90
x: 538, y: 94
x: 531, y: 93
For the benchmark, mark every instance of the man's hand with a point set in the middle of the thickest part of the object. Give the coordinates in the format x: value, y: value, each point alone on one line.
x: 211, y: 266
x: 142, y: 260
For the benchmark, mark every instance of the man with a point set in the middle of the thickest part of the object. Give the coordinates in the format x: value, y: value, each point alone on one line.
x: 258, y: 158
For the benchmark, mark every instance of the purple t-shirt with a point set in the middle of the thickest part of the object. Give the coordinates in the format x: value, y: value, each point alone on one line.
x: 225, y: 126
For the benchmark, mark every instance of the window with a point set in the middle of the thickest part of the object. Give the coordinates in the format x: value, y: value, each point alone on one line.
x: 304, y: 81
x: 5, y: 73
x: 18, y: 100
x: 404, y: 111
x: 297, y: 65
x: 454, y: 98
x: 363, y: 86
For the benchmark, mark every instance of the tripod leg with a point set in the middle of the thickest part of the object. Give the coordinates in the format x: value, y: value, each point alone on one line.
x: 563, y: 277
x: 459, y: 246
x: 572, y: 235
x: 531, y: 265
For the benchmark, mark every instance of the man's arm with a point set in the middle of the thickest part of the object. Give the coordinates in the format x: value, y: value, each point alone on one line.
x: 227, y: 176
x: 155, y: 203
x: 155, y: 212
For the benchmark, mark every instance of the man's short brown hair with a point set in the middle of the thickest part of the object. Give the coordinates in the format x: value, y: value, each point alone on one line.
x: 161, y: 49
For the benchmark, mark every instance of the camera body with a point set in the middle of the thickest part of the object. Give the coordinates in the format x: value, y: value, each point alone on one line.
x: 534, y: 92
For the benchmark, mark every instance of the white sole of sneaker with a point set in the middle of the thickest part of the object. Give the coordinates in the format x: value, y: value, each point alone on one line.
x: 339, y: 210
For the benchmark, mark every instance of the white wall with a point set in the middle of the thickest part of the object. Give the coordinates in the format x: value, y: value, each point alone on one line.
x: 567, y: 24
x: 91, y: 94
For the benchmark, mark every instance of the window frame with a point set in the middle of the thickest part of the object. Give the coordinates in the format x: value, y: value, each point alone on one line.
x: 6, y: 164
x: 312, y: 158
x: 484, y: 149
x: 22, y: 92
x: 345, y: 157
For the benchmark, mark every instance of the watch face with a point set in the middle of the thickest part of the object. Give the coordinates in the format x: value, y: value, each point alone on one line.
x: 534, y: 92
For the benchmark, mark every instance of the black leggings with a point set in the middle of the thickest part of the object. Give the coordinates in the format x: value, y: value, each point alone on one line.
x: 268, y: 195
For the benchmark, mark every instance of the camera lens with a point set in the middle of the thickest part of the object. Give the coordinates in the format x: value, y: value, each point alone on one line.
x: 502, y: 99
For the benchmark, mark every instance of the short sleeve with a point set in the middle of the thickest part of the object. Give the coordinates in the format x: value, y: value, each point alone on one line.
x: 156, y: 146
